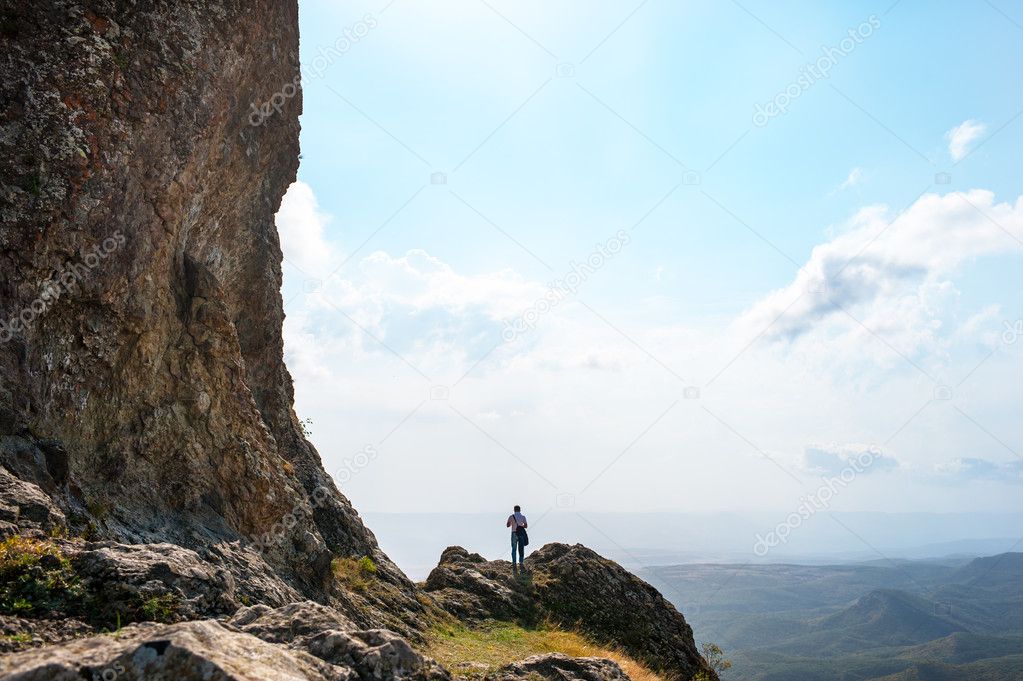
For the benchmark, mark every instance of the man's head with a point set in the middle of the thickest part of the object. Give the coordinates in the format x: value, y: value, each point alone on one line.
x: 518, y: 508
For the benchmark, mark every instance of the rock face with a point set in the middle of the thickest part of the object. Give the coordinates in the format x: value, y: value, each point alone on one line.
x: 575, y: 587
x: 142, y: 383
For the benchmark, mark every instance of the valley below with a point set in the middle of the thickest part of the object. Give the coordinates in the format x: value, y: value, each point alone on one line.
x: 928, y: 620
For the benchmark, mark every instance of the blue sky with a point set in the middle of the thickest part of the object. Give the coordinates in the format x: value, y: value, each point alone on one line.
x: 771, y: 298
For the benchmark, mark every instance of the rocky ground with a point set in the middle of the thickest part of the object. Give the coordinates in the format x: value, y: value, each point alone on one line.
x: 573, y: 587
x: 161, y: 514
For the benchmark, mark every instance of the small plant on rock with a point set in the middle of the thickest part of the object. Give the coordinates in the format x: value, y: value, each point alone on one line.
x: 715, y: 658
x: 162, y: 608
x: 356, y: 574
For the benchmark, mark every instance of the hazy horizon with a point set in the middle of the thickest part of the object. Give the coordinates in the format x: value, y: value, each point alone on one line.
x: 645, y: 540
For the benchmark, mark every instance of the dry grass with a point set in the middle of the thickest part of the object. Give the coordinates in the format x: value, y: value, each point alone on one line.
x: 355, y: 573
x: 501, y: 643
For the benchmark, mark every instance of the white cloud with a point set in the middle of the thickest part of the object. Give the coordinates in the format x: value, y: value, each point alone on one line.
x: 970, y: 468
x: 854, y: 179
x: 890, y: 272
x: 833, y: 459
x: 962, y: 136
x: 301, y: 227
x: 571, y: 394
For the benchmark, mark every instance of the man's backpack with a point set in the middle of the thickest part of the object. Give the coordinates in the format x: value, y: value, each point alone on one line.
x: 520, y: 532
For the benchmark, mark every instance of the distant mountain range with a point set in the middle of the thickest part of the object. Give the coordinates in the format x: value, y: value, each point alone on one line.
x: 947, y: 620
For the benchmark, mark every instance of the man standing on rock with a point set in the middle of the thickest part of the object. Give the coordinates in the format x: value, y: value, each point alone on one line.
x: 517, y: 523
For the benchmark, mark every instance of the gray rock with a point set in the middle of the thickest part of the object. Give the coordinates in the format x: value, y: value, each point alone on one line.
x: 126, y: 576
x: 558, y: 667
x: 329, y: 635
x: 26, y: 509
x: 189, y: 651
x: 471, y: 588
x: 375, y: 654
x: 290, y: 623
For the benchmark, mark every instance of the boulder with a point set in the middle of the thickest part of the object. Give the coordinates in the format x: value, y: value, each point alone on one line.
x: 558, y: 667
x: 269, y: 645
x: 124, y: 577
x: 290, y: 623
x: 473, y: 589
x: 329, y: 635
x: 26, y: 509
x: 189, y: 651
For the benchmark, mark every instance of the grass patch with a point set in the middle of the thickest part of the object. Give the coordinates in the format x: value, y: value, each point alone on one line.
x: 18, y: 638
x: 163, y: 608
x: 358, y: 574
x: 36, y: 578
x: 501, y: 643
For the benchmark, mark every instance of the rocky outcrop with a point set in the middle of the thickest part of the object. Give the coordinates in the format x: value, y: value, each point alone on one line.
x: 474, y: 589
x: 558, y: 667
x: 577, y: 588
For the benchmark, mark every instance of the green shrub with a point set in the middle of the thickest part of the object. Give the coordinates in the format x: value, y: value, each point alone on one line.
x: 367, y: 566
x: 162, y: 608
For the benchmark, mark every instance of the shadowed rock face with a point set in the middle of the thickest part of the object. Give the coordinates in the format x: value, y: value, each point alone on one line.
x: 577, y: 588
x: 142, y: 382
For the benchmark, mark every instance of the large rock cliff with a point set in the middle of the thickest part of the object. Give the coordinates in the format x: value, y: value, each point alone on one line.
x: 152, y: 469
x: 142, y: 382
